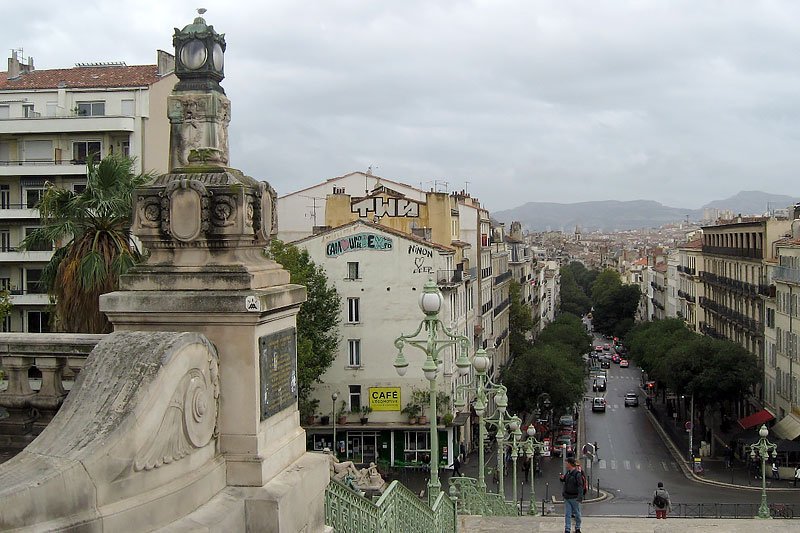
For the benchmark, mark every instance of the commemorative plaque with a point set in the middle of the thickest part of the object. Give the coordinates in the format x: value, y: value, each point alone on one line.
x: 278, y: 369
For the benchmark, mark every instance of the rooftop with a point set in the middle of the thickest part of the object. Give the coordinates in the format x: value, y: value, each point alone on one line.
x: 83, y: 77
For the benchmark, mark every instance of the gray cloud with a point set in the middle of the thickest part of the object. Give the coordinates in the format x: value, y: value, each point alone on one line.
x: 681, y: 102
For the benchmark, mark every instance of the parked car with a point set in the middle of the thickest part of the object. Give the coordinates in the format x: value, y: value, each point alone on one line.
x: 598, y: 348
x: 566, y: 421
x: 623, y: 363
x: 616, y: 358
x: 599, y: 404
x: 605, y: 363
x: 563, y: 439
x: 631, y: 399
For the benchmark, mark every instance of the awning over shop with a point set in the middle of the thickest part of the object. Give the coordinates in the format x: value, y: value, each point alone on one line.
x: 461, y: 418
x: 756, y: 419
x: 788, y: 428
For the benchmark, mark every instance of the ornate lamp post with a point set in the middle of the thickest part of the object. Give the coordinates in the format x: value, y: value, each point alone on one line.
x: 531, y: 447
x: 499, y: 421
x: 763, y: 449
x: 484, y: 389
x: 334, y: 397
x: 430, y: 302
x: 514, y: 434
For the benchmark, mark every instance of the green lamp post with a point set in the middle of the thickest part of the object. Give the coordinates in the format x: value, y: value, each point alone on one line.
x: 499, y: 420
x: 430, y: 302
x: 763, y: 449
x: 531, y: 446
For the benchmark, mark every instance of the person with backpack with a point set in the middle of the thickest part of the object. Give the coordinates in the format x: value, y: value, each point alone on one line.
x: 572, y: 492
x: 661, y: 501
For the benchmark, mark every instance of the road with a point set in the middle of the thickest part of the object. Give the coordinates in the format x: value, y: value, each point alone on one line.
x: 633, y: 458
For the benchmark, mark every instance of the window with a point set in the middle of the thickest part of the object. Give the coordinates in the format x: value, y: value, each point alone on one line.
x: 83, y: 150
x: 4, y: 111
x: 353, y: 310
x: 5, y: 241
x: 78, y: 188
x: 5, y: 197
x: 354, y: 351
x: 128, y: 108
x: 32, y: 281
x: 38, y: 150
x: 38, y: 322
x: 50, y: 109
x: 126, y: 148
x: 355, y: 398
x: 352, y: 270
x: 32, y: 197
x: 417, y: 447
x: 91, y: 109
x: 7, y: 324
x: 338, y: 190
x: 27, y: 111
x: 39, y: 247
x: 770, y: 318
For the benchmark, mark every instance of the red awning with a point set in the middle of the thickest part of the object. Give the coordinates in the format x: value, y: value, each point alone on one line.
x: 756, y: 419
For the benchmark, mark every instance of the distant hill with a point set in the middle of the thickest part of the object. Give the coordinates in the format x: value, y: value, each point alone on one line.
x: 622, y: 215
x: 753, y: 202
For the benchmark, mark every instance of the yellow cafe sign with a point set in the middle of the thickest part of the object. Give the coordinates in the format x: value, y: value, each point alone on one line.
x: 384, y: 398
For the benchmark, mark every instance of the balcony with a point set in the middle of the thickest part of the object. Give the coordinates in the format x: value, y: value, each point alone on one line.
x: 740, y: 287
x: 501, y: 278
x: 72, y: 124
x: 29, y: 298
x: 62, y: 167
x: 786, y: 274
x: 18, y: 212
x: 656, y: 286
x: 747, y: 253
x: 448, y: 279
x: 687, y: 270
x: 485, y: 308
x: 501, y: 307
x: 472, y: 273
x: 736, y: 318
x: 686, y: 296
x: 11, y: 254
x: 709, y: 331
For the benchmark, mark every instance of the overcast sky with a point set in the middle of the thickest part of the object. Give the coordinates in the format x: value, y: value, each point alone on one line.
x: 682, y: 102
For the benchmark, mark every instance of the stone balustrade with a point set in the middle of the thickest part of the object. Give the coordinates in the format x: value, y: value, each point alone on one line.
x: 53, y: 355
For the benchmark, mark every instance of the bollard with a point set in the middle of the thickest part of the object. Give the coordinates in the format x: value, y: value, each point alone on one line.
x: 598, y: 487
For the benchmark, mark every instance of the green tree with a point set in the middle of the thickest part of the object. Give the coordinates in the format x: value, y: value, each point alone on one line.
x: 520, y: 321
x: 95, y: 224
x: 317, y: 321
x: 573, y: 298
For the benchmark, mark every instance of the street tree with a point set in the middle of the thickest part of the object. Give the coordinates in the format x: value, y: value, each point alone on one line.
x: 317, y: 321
x: 573, y: 298
x: 520, y: 321
x: 94, y: 227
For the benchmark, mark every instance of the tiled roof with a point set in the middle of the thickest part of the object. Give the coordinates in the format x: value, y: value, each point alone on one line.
x: 83, y: 78
x: 696, y: 244
x: 660, y: 267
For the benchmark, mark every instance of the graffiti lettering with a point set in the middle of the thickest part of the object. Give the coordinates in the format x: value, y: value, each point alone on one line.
x: 420, y: 268
x: 386, y: 207
x: 360, y: 241
x: 415, y: 249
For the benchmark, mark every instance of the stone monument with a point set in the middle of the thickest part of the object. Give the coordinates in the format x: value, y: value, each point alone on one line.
x: 212, y: 441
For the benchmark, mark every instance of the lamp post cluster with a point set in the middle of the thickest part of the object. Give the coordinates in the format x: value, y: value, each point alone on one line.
x: 763, y: 449
x: 430, y: 302
x: 528, y: 447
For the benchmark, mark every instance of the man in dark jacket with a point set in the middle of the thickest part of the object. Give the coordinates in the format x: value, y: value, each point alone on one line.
x: 572, y: 494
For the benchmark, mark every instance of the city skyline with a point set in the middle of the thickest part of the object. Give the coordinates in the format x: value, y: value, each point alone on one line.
x: 514, y: 102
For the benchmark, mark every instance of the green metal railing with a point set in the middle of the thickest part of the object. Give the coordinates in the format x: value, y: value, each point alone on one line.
x: 398, y: 510
x: 471, y: 500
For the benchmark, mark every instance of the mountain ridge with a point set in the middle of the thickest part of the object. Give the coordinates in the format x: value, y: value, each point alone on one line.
x: 631, y: 214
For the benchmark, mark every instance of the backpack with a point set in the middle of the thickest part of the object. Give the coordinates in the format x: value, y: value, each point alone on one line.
x: 584, y: 482
x: 659, y: 501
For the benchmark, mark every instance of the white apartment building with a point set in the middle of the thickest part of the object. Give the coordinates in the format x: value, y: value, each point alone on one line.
x: 690, y: 288
x: 379, y: 273
x: 51, y: 121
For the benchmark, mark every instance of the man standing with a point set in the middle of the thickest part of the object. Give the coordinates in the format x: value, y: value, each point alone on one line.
x: 796, y: 475
x: 775, y: 471
x: 661, y: 501
x: 572, y: 494
x: 457, y: 467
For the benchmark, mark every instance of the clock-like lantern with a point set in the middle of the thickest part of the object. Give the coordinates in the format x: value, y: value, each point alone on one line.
x: 199, y: 56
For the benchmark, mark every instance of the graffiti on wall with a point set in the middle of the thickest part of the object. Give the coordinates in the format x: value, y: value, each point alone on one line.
x: 386, y: 207
x: 360, y: 241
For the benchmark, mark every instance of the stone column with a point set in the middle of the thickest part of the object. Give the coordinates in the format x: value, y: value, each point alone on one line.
x: 52, y: 393
x: 16, y: 399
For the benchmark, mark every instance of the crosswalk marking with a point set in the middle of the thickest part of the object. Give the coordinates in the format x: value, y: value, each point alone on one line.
x: 602, y: 464
x: 627, y: 465
x: 675, y: 466
x: 638, y: 466
x: 666, y: 468
x: 613, y: 465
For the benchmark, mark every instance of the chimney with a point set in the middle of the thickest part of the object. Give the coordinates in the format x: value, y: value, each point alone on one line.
x: 166, y: 62
x: 13, y: 66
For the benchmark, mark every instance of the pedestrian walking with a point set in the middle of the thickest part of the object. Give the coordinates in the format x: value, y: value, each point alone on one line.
x: 457, y: 467
x: 462, y: 448
x: 796, y: 475
x: 526, y: 467
x: 572, y: 492
x: 776, y: 473
x: 661, y: 501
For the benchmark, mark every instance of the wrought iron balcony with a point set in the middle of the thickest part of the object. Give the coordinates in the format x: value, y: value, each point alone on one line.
x: 449, y: 278
x: 786, y: 274
x: 500, y: 278
x: 749, y: 253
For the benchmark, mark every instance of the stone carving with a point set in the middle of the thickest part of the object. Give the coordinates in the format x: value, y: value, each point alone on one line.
x: 199, y: 122
x: 189, y: 422
x: 184, y: 209
x: 265, y: 212
x: 223, y: 212
x: 364, y: 479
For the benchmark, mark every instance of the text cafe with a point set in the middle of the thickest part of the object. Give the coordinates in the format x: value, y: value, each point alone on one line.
x: 384, y: 436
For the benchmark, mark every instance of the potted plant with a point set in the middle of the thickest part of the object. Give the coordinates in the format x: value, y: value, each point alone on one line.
x: 341, y: 414
x: 447, y: 419
x: 421, y: 398
x: 365, y: 411
x: 307, y: 408
x: 443, y: 407
x: 412, y: 411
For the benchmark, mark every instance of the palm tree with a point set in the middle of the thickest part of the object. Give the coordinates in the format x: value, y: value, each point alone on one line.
x: 95, y: 224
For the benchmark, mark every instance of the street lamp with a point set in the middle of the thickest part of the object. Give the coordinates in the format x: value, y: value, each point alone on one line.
x: 499, y: 421
x: 334, y: 397
x: 430, y: 301
x: 483, y: 388
x: 531, y: 446
x: 513, y: 439
x: 763, y: 449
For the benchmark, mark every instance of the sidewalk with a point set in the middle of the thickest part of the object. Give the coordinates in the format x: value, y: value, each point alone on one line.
x: 477, y: 524
x: 714, y: 469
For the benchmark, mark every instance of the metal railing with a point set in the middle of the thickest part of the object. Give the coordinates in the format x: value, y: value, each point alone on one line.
x: 17, y: 162
x: 727, y: 510
x: 398, y: 510
x: 753, y: 253
x: 755, y: 326
x: 500, y: 278
x: 449, y: 277
x: 499, y: 308
x: 472, y: 501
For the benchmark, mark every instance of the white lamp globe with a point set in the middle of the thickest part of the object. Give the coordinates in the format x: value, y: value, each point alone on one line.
x: 480, y: 362
x: 763, y: 431
x: 430, y: 302
x: 531, y: 431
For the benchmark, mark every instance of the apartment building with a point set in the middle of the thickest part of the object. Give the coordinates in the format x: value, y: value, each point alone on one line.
x: 781, y: 329
x: 690, y: 288
x: 51, y: 122
x: 658, y: 282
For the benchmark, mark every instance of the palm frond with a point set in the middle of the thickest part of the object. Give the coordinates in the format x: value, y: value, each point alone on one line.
x: 92, y: 271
